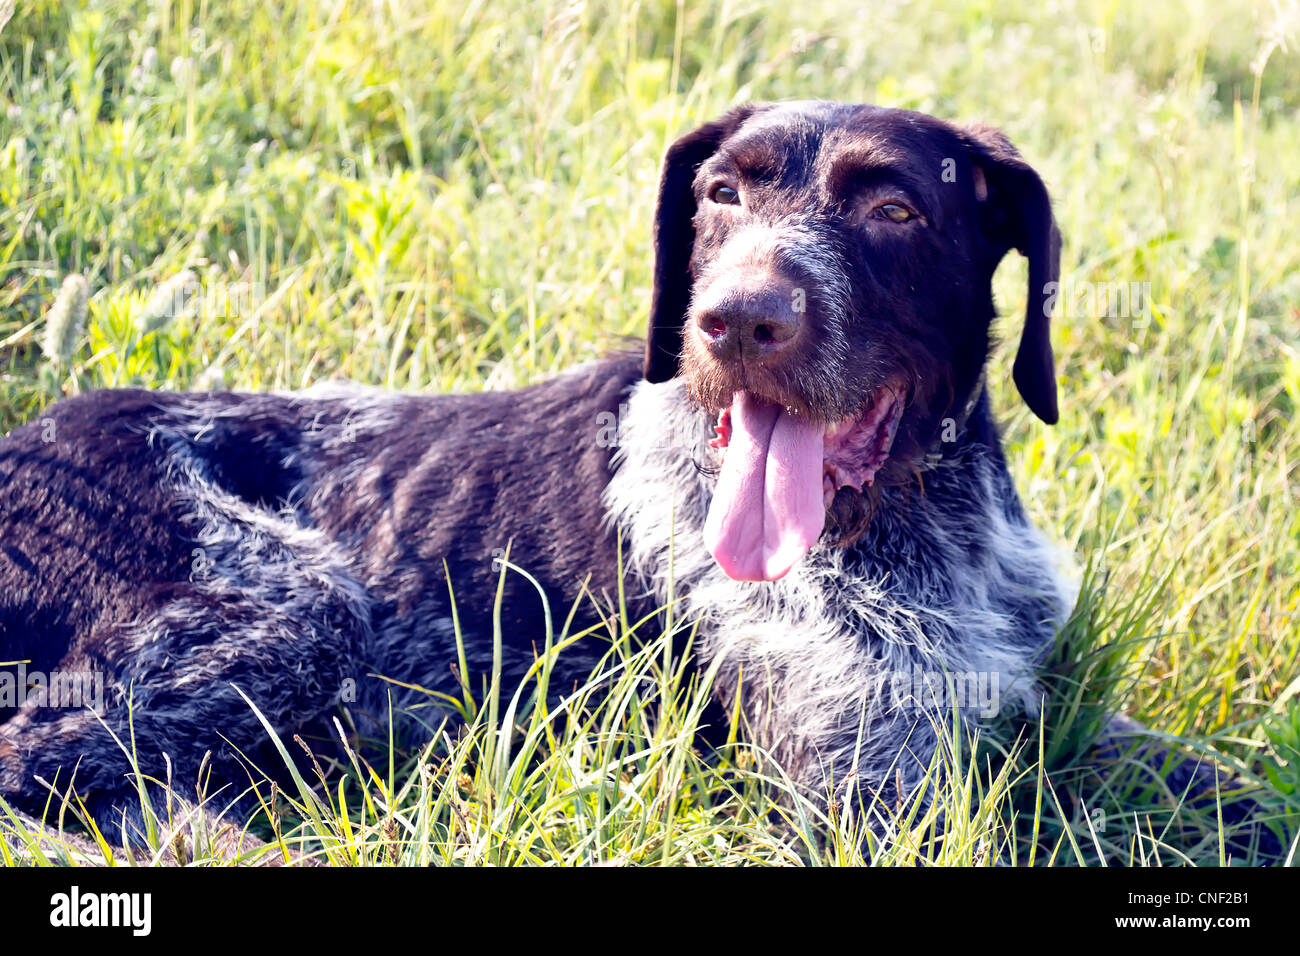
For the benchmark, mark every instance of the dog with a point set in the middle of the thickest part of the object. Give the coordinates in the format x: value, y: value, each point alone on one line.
x: 804, y: 458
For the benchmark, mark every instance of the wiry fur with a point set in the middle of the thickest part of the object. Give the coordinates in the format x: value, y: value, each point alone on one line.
x: 303, y: 548
x: 952, y: 580
x: 190, y: 547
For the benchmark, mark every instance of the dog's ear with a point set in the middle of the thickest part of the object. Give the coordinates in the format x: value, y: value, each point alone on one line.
x: 674, y: 237
x: 1016, y: 213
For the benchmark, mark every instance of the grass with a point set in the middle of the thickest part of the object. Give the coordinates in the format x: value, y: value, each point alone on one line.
x: 455, y: 196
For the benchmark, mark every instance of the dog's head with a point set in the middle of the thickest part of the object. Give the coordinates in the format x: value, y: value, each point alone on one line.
x: 823, y: 282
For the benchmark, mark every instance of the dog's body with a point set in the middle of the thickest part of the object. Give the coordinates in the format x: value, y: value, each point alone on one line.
x: 822, y: 303
x: 290, y: 544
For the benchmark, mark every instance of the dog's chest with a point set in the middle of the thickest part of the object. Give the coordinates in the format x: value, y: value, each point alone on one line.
x: 953, y: 580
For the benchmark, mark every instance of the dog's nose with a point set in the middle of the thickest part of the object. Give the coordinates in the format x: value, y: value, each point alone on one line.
x: 753, y: 324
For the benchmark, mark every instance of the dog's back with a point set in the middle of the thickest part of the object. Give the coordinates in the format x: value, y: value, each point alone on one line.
x: 166, y: 548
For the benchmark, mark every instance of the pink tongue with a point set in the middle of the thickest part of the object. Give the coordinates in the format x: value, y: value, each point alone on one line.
x: 767, y: 510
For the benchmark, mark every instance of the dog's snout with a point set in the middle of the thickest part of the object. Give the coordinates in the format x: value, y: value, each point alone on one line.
x: 751, y: 322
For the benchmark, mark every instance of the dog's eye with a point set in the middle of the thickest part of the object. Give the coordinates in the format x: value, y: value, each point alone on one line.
x: 725, y: 196
x: 893, y: 212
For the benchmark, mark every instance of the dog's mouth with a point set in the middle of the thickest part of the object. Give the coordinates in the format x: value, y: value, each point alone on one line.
x: 779, y: 474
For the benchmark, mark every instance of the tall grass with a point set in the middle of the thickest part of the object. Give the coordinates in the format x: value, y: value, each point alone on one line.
x: 453, y: 196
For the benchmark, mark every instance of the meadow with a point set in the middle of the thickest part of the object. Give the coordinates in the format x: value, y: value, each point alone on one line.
x: 457, y: 195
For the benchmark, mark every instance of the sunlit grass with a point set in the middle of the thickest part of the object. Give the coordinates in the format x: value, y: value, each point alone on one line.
x: 441, y: 196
